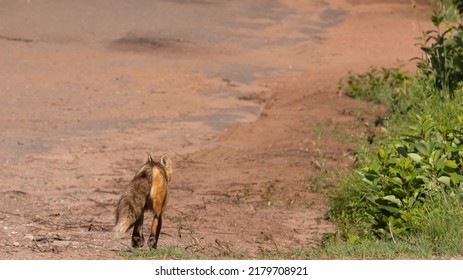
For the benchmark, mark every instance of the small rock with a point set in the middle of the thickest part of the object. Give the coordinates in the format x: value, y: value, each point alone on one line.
x: 29, y: 236
x: 16, y: 244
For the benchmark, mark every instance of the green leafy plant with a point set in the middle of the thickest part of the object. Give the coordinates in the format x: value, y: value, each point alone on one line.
x: 443, y: 61
x: 389, y: 86
x: 426, y: 158
x: 407, y: 189
x: 375, y: 84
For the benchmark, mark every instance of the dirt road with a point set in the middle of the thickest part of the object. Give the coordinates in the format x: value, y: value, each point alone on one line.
x: 241, y: 94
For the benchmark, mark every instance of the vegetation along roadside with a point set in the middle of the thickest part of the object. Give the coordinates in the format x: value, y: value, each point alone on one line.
x: 404, y: 199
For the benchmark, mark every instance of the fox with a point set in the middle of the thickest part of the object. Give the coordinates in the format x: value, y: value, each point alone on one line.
x: 147, y: 191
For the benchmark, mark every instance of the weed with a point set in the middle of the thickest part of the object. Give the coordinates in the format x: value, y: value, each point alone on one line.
x: 268, y: 193
x: 439, y: 228
x: 320, y: 128
x: 182, y: 223
x: 385, y: 85
x: 323, y: 181
x: 442, y: 62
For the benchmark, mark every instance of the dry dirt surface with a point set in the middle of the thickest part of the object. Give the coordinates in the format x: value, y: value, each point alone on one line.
x: 242, y: 95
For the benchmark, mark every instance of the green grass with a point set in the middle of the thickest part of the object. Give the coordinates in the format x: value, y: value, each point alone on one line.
x: 437, y: 234
x: 168, y: 252
x: 196, y: 251
x: 440, y: 228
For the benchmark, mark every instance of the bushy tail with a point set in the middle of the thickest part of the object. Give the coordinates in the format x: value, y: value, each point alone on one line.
x: 123, y: 225
x: 128, y: 211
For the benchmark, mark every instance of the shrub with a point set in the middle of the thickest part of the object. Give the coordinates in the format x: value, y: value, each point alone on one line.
x: 443, y: 61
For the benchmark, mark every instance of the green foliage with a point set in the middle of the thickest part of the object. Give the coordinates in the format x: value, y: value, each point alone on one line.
x: 407, y: 190
x: 420, y: 155
x: 364, y: 249
x: 426, y: 158
x: 408, y: 187
x: 443, y: 61
x: 384, y: 85
x: 440, y: 227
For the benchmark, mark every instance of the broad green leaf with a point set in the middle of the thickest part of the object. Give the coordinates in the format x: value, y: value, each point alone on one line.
x: 411, y: 201
x: 406, y: 163
x: 399, y: 192
x: 374, y: 168
x: 415, y: 157
x: 381, y: 154
x: 391, y: 209
x: 456, y: 178
x: 405, y: 217
x: 445, y: 180
x: 393, y: 199
x: 423, y: 178
x: 382, y: 232
x: 371, y: 178
x: 351, y: 239
x: 394, y: 171
x: 440, y: 163
x: 397, y: 181
x: 435, y: 155
x: 393, y: 160
x: 426, y: 125
x: 367, y: 181
x: 411, y: 175
x: 423, y: 147
x: 451, y: 164
x: 452, y: 148
x: 401, y: 150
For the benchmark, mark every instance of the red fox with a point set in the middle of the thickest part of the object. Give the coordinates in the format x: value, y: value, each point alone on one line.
x: 147, y: 191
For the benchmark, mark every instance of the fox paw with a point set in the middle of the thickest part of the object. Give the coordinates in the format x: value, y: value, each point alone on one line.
x: 152, y: 242
x: 137, y: 241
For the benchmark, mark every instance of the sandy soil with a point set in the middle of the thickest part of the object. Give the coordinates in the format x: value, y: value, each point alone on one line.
x: 242, y: 95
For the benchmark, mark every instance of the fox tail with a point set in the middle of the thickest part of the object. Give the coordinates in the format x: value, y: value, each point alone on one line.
x: 127, y: 214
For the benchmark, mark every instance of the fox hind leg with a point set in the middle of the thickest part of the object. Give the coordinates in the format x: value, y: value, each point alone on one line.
x: 137, y: 236
x: 155, y: 231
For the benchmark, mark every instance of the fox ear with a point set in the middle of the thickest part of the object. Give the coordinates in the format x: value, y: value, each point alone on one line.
x: 147, y: 158
x: 166, y: 162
